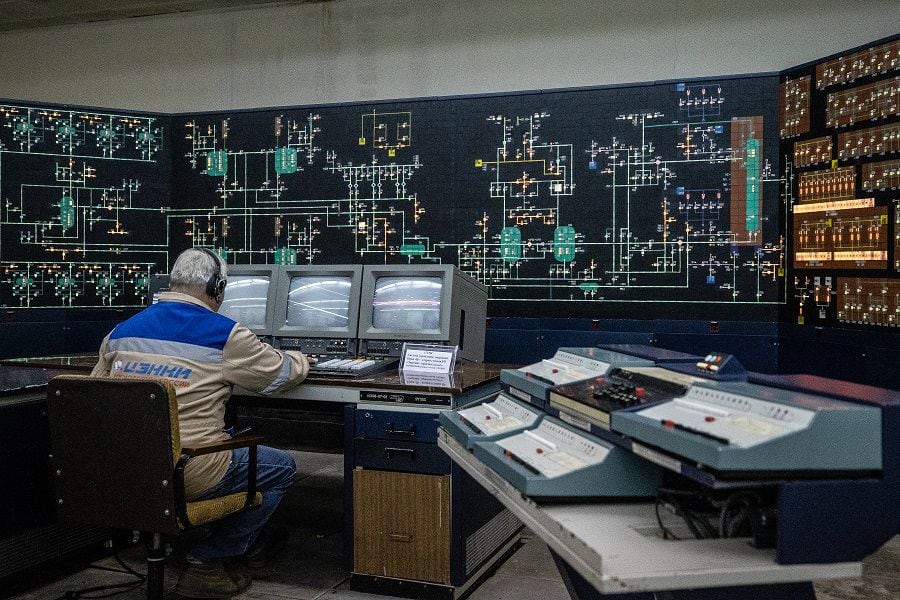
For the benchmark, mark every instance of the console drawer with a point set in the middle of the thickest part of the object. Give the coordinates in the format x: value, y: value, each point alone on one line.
x: 398, y: 455
x: 410, y: 426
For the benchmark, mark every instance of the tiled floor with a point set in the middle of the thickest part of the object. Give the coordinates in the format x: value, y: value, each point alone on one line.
x: 311, y: 566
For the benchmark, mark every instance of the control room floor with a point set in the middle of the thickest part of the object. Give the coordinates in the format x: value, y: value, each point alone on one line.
x: 311, y: 566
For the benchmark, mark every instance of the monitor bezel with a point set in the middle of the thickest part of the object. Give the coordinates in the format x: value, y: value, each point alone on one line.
x: 371, y: 273
x: 273, y: 271
x: 281, y: 301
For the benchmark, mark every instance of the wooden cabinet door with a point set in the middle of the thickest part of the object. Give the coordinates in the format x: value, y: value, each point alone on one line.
x: 401, y: 525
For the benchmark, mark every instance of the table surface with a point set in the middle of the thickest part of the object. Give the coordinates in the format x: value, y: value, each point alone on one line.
x: 466, y: 374
x: 615, y: 546
x: 68, y: 362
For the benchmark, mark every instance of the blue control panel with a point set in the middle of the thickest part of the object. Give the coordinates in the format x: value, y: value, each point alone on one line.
x: 533, y: 383
x: 554, y: 460
x: 749, y: 428
x: 499, y: 417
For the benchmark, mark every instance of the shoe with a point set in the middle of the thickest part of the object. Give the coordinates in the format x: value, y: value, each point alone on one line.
x: 267, y: 546
x: 239, y: 572
x: 208, y: 581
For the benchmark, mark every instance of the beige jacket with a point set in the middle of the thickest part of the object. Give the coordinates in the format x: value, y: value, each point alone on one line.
x: 204, y: 355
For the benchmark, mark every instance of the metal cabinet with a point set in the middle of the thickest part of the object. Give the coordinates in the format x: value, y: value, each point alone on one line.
x: 414, y: 517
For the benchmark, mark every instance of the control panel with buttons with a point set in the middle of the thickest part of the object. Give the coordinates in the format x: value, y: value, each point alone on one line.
x: 489, y: 420
x: 594, y: 399
x: 322, y: 347
x: 748, y: 428
x: 360, y: 366
x: 533, y: 383
x: 720, y: 366
x: 554, y: 460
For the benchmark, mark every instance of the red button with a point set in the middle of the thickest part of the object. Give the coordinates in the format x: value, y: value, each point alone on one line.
x: 487, y: 417
x: 539, y: 450
x: 639, y: 392
x: 507, y: 453
x: 554, y: 370
x: 709, y: 419
x: 668, y: 423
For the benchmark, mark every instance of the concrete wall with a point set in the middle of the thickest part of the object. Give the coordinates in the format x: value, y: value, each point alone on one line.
x: 351, y: 50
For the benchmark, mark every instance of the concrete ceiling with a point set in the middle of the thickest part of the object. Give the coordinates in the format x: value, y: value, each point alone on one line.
x: 27, y: 14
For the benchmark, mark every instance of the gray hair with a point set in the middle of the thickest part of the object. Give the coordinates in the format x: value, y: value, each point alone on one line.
x: 192, y: 269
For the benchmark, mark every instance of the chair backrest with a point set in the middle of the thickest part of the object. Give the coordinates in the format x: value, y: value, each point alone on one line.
x: 114, y: 445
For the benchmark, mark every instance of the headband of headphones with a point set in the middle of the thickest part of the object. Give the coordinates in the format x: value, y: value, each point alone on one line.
x: 215, y: 285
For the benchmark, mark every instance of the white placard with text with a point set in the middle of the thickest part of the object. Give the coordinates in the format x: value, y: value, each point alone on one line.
x: 425, y: 358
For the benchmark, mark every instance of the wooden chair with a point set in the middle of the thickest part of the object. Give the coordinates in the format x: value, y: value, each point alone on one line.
x: 118, y: 462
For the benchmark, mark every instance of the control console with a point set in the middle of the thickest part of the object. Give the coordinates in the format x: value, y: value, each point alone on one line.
x: 318, y: 347
x: 739, y: 428
x: 533, y: 383
x: 555, y: 461
x: 359, y: 366
x: 489, y: 420
x: 594, y: 399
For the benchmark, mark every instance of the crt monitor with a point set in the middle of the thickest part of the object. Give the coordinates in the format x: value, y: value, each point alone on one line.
x: 317, y: 309
x: 250, y: 296
x: 432, y: 304
x: 159, y: 283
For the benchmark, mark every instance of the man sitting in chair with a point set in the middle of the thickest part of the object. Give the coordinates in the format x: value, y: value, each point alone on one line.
x: 203, y: 354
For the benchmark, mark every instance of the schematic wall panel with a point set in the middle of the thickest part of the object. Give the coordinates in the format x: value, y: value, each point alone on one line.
x: 876, y: 60
x: 82, y: 200
x: 841, y: 178
x: 864, y: 103
x: 855, y: 238
x: 830, y: 184
x: 812, y: 152
x: 606, y: 199
x: 746, y: 179
x: 872, y: 141
x: 881, y: 176
x: 793, y: 106
x: 869, y: 301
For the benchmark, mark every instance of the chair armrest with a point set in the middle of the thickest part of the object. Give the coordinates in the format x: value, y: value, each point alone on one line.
x: 243, y: 441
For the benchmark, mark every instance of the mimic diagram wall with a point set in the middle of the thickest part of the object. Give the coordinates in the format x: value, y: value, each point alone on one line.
x: 82, y: 197
x: 658, y: 200
x: 640, y: 201
x: 840, y: 130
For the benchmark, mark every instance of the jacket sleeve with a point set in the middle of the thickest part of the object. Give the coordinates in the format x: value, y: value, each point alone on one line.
x: 102, y: 368
x: 259, y: 367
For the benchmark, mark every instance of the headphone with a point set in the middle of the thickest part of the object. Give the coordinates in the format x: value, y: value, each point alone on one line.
x: 215, y: 285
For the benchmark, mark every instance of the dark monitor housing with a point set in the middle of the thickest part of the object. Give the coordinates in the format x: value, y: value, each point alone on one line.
x: 317, y: 309
x: 431, y: 304
x: 158, y: 284
x: 250, y: 296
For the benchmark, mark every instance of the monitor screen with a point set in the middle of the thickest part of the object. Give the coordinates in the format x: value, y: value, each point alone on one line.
x: 245, y: 300
x: 317, y: 302
x: 407, y: 303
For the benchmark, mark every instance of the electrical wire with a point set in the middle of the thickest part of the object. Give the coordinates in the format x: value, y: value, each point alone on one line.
x: 114, y: 589
x: 742, y: 505
x: 678, y: 499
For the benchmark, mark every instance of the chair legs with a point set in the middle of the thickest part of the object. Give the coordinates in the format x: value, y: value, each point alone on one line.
x: 156, y: 565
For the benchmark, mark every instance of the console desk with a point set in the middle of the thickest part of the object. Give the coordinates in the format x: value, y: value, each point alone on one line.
x: 412, y: 516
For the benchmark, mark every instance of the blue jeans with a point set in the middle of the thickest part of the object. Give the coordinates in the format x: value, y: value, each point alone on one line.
x: 233, y: 535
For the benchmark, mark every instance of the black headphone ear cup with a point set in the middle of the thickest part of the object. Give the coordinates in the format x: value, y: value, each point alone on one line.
x: 215, y: 285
